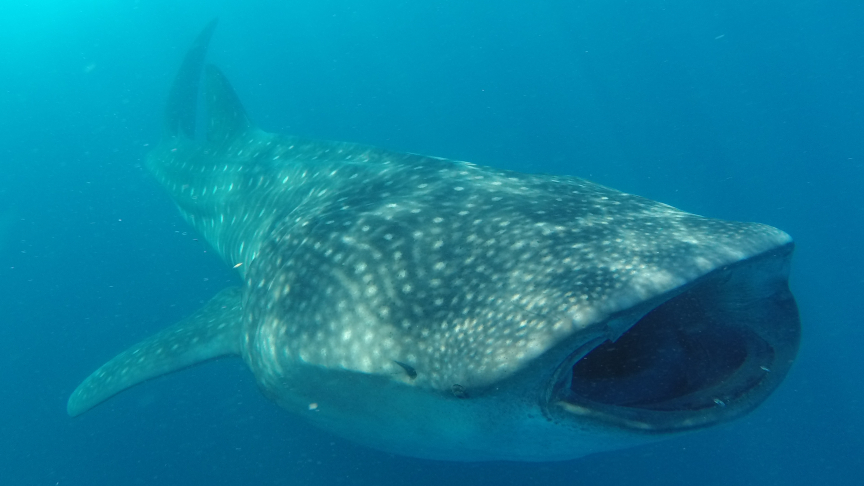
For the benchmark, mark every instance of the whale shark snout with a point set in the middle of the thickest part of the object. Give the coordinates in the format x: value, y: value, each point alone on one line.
x: 445, y: 310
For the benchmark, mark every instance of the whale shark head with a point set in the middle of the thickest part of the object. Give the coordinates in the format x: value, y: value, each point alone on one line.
x: 441, y: 309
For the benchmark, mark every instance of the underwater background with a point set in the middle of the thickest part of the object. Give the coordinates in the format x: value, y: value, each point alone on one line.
x: 731, y: 109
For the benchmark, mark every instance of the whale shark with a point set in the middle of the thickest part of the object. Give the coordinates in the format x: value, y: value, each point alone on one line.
x: 441, y: 309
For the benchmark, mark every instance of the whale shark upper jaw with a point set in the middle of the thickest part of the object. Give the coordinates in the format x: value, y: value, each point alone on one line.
x: 707, y: 353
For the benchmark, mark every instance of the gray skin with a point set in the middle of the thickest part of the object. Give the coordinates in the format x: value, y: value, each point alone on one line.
x: 445, y: 310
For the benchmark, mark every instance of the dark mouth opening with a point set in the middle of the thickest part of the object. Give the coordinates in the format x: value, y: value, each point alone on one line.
x: 677, y: 357
x: 708, y: 354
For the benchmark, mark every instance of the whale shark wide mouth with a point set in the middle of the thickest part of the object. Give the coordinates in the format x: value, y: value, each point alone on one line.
x: 708, y: 354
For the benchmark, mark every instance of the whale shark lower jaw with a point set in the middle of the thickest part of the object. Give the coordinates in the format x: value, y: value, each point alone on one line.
x: 441, y: 309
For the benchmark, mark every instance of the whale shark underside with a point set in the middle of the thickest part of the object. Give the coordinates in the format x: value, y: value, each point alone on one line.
x: 446, y: 310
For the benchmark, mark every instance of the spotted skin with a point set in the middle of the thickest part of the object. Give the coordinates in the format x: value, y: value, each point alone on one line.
x: 417, y: 303
x: 467, y: 273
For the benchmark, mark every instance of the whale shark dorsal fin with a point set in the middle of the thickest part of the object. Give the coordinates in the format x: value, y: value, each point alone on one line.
x: 181, y: 111
x: 214, y: 330
x: 227, y: 119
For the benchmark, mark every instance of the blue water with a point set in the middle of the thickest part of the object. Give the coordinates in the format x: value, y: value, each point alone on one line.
x: 735, y: 109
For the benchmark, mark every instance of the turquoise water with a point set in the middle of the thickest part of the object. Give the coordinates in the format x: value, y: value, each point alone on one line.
x: 727, y: 109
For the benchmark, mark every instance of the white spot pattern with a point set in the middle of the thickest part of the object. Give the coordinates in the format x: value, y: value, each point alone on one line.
x: 471, y: 271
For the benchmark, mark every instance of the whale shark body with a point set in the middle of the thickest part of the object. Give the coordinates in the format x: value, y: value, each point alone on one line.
x: 445, y: 310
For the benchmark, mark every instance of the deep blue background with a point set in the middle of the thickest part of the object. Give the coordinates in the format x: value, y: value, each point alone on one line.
x: 733, y: 109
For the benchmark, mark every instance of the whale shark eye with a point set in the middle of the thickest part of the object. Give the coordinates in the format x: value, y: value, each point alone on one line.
x: 458, y: 391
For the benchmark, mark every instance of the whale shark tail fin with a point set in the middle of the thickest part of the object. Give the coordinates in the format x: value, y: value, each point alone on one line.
x: 182, y: 108
x: 214, y: 330
x: 225, y: 118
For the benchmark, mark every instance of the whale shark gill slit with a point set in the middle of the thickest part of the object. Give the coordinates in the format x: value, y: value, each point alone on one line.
x: 446, y: 310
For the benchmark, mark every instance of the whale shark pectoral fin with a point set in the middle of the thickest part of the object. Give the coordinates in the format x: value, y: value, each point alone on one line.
x: 214, y: 330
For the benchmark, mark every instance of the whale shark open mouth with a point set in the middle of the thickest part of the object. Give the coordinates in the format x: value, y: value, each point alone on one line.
x: 709, y: 354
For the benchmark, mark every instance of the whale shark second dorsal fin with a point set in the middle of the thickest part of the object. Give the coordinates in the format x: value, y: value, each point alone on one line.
x: 214, y: 330
x: 181, y: 111
x: 226, y: 118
